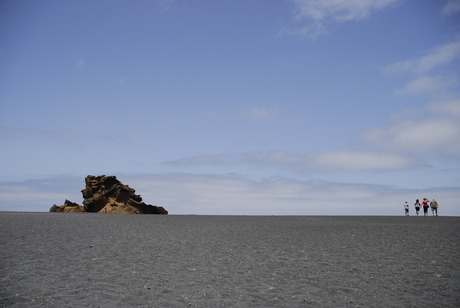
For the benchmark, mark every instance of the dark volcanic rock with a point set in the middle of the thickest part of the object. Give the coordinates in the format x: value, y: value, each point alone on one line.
x: 105, y: 194
x: 68, y: 206
x: 55, y: 208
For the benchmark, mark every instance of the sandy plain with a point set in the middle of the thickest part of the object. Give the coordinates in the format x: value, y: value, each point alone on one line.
x: 105, y: 260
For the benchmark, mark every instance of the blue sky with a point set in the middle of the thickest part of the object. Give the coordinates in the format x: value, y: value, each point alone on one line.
x: 297, y: 107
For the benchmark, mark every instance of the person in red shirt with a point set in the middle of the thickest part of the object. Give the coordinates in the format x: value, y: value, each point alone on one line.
x: 425, y: 204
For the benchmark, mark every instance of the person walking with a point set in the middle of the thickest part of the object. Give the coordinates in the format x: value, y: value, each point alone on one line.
x: 417, y: 206
x: 434, y: 207
x: 406, y: 208
x: 425, y: 206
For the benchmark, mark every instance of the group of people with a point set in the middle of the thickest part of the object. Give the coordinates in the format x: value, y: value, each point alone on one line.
x: 426, y: 204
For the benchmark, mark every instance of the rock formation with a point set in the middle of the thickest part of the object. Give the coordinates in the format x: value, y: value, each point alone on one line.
x: 68, y: 206
x: 105, y: 194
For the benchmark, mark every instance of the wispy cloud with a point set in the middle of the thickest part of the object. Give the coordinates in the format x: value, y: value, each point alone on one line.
x: 450, y: 109
x: 203, y: 160
x: 440, y: 56
x: 425, y: 84
x: 318, y: 14
x: 361, y: 161
x: 312, y: 31
x: 339, y: 160
x: 436, y: 129
x: 438, y: 132
x: 336, y: 160
x: 262, y: 113
x: 165, y: 5
x: 339, y: 10
x: 426, y: 72
x: 451, y: 7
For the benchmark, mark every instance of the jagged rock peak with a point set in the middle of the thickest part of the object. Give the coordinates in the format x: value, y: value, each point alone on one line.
x: 106, y: 194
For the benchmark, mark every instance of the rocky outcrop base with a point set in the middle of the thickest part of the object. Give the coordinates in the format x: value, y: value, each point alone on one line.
x: 68, y: 206
x: 105, y: 194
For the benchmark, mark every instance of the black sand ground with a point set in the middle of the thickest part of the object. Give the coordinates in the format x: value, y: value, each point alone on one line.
x: 102, y: 260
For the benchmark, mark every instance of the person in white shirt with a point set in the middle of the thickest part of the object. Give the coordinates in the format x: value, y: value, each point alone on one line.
x: 406, y: 208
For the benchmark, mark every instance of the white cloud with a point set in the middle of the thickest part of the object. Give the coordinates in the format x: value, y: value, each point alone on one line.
x: 442, y: 55
x: 339, y: 10
x: 338, y: 160
x: 438, y: 132
x: 312, y: 31
x: 451, y: 7
x: 447, y: 109
x: 361, y: 161
x: 318, y: 13
x: 424, y: 84
x: 429, y: 73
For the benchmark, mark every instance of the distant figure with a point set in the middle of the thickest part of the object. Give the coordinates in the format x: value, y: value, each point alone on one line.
x: 417, y: 206
x: 425, y: 206
x: 406, y: 208
x: 434, y: 207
